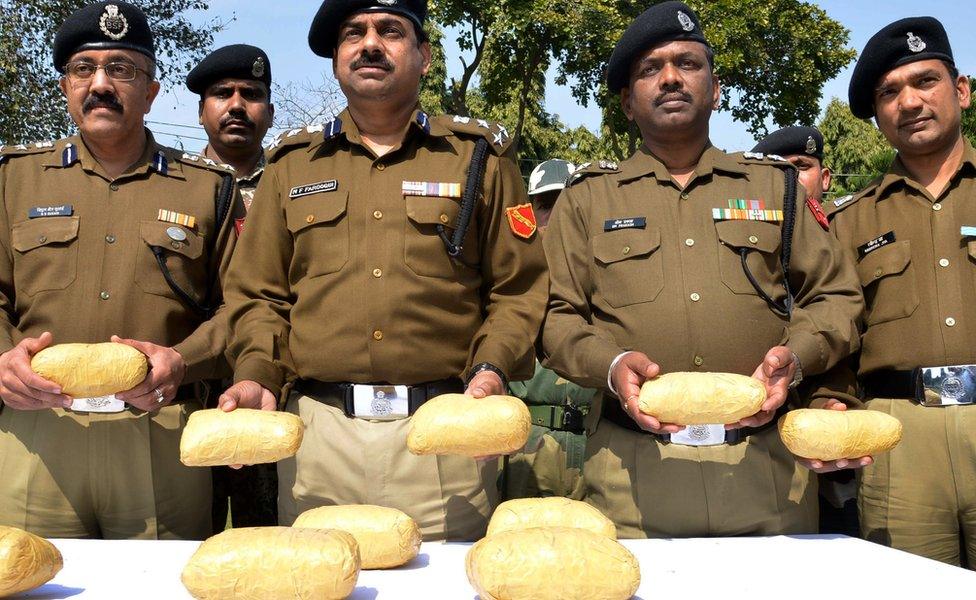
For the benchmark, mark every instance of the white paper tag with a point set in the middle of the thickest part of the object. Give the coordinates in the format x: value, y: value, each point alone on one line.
x: 700, y: 435
x: 380, y: 402
x: 102, y: 404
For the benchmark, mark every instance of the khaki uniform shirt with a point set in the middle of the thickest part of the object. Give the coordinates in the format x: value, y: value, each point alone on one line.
x: 341, y: 275
x: 247, y: 183
x: 75, y: 254
x: 917, y: 268
x: 637, y: 263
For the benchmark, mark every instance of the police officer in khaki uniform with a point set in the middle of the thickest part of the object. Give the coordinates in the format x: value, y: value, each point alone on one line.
x: 912, y: 236
x: 677, y: 256
x: 391, y: 256
x: 108, y: 234
x: 234, y: 84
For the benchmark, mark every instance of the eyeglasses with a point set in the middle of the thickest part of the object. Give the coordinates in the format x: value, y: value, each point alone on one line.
x: 117, y: 71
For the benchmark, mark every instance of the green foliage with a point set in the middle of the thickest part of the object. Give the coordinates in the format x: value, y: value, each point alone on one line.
x: 853, y: 149
x: 33, y: 107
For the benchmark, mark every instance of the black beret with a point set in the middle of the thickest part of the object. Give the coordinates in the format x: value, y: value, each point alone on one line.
x: 103, y: 26
x: 238, y: 61
x: 793, y: 140
x: 324, y: 34
x: 665, y: 22
x: 902, y: 42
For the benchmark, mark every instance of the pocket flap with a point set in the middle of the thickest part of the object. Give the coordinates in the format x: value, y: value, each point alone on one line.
x: 432, y: 210
x: 762, y: 236
x: 157, y: 233
x: 614, y: 246
x: 309, y: 211
x: 27, y: 235
x: 887, y: 260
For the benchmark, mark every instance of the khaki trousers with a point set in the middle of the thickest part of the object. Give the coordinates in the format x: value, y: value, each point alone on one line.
x: 344, y: 460
x: 112, y: 476
x: 652, y: 489
x: 921, y: 496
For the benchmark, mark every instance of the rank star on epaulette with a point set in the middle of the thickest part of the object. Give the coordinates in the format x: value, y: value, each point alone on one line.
x: 843, y: 200
x: 521, y: 219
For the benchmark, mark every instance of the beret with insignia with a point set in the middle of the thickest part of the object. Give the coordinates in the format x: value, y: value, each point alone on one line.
x: 324, y: 35
x: 902, y: 42
x: 807, y: 141
x: 103, y: 26
x: 238, y: 61
x: 665, y: 22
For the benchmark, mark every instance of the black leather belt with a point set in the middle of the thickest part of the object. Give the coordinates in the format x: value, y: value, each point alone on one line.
x: 614, y: 412
x: 889, y: 383
x: 948, y: 385
x: 340, y: 395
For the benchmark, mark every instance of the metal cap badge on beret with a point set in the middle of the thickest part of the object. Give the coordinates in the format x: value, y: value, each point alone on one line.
x: 665, y: 22
x: 238, y: 61
x: 902, y: 42
x: 793, y: 140
x: 103, y: 26
x: 323, y: 35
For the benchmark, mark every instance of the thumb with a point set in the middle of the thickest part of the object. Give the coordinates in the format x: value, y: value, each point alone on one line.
x: 228, y: 400
x: 652, y: 370
x: 140, y: 346
x: 35, y: 345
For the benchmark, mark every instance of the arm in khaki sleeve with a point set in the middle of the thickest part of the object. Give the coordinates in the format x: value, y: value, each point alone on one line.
x: 258, y: 292
x: 203, y: 351
x: 828, y: 300
x: 839, y: 383
x: 516, y: 283
x: 572, y: 346
x: 8, y: 333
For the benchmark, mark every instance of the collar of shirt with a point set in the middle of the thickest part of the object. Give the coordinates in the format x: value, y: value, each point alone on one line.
x: 251, y: 177
x: 898, y: 175
x: 155, y: 159
x: 644, y: 163
x: 420, y: 123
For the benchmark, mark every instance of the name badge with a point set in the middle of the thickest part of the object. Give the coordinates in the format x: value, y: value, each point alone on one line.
x: 878, y: 242
x: 61, y: 210
x: 380, y: 402
x: 101, y: 404
x: 700, y: 435
x: 628, y: 223
x: 314, y: 188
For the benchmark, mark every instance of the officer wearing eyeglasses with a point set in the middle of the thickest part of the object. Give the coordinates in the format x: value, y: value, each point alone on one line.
x: 108, y: 235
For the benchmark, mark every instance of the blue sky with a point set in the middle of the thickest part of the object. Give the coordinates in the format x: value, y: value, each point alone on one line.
x: 282, y: 32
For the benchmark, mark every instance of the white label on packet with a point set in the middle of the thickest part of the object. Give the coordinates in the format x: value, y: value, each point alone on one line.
x: 700, y: 435
x: 101, y: 404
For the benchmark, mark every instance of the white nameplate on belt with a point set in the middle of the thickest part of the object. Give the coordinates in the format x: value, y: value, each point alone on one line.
x: 102, y: 404
x: 700, y: 435
x: 380, y: 402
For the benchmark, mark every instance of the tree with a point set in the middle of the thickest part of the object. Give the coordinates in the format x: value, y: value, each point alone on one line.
x: 32, y: 105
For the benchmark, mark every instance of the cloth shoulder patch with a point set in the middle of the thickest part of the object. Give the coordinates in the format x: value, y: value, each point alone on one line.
x: 521, y: 219
x: 818, y: 213
x: 591, y: 169
x: 497, y: 135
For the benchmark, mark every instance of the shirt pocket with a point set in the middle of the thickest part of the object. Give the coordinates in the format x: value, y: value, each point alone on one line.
x: 320, y: 230
x: 185, y: 260
x: 46, y: 254
x: 628, y: 267
x: 424, y: 252
x: 762, y: 242
x: 889, y: 283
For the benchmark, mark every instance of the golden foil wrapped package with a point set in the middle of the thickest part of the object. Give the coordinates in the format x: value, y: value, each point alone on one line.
x: 274, y: 563
x: 387, y: 537
x: 552, y: 563
x: 240, y: 437
x: 526, y: 513
x: 91, y: 370
x: 834, y: 434
x: 465, y: 426
x: 26, y: 561
x: 701, y: 398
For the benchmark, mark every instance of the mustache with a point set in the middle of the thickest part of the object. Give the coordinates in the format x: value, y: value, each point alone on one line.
x: 372, y: 60
x: 236, y: 119
x: 669, y: 96
x: 97, y: 100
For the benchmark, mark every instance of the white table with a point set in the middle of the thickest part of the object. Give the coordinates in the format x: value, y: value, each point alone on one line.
x: 774, y: 568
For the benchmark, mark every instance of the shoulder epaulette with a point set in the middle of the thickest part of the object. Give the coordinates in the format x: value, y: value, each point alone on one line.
x: 196, y: 160
x: 591, y: 169
x: 837, y: 205
x: 752, y: 158
x: 303, y: 136
x: 8, y: 152
x: 497, y: 135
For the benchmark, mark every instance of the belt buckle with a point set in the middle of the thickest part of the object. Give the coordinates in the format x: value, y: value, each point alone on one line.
x: 101, y: 404
x: 572, y: 419
x: 946, y: 386
x: 700, y: 435
x: 380, y: 402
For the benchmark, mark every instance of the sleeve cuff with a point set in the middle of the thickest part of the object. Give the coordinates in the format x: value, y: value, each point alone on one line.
x: 265, y: 373
x: 808, y: 349
x: 200, y: 363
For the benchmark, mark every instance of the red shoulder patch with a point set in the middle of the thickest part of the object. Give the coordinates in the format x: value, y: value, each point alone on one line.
x: 521, y: 219
x: 818, y: 213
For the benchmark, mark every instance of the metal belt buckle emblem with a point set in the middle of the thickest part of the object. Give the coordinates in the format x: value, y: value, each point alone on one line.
x: 380, y: 402
x: 946, y: 386
x: 700, y: 435
x: 101, y: 404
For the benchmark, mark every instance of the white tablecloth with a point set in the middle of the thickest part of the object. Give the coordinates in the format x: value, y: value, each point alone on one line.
x: 775, y: 568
